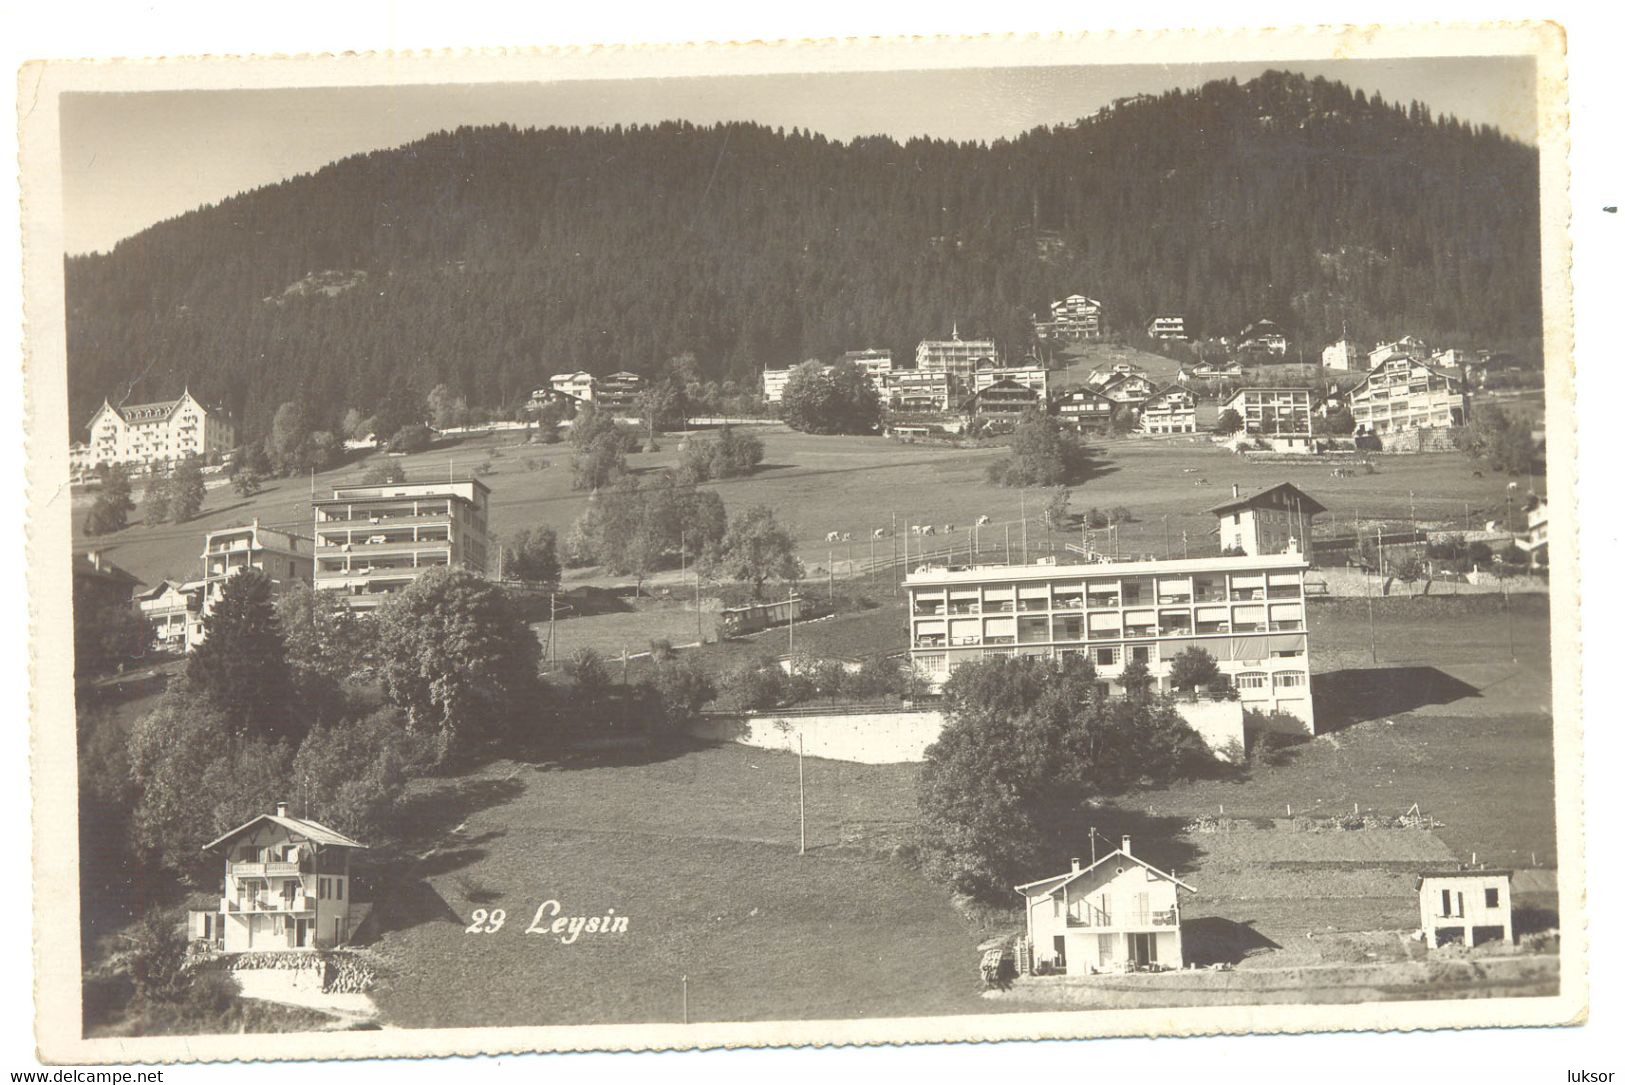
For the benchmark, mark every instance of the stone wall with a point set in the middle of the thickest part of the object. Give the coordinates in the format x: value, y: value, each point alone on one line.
x: 887, y: 738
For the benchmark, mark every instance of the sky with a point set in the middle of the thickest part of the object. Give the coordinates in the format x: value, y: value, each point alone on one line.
x: 132, y: 159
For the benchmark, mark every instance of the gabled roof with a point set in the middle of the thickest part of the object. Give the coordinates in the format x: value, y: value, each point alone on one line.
x: 1170, y: 388
x: 313, y: 830
x: 1300, y: 500
x: 1060, y: 881
x: 1401, y: 358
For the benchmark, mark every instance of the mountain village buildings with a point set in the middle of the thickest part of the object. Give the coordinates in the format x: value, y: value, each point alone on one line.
x: 372, y: 541
x: 1402, y: 393
x: 155, y: 433
x: 286, y: 886
x: 1117, y: 914
x: 1265, y: 335
x: 1246, y: 612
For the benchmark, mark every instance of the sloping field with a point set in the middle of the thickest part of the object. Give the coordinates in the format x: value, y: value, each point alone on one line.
x: 699, y: 855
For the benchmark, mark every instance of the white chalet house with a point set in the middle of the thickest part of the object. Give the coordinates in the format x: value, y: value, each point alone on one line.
x: 286, y: 886
x: 1117, y: 915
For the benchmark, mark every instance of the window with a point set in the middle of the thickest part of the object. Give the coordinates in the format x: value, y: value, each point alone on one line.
x: 1250, y: 680
x: 1290, y: 678
x: 1492, y: 898
x: 338, y: 884
x: 1140, y: 653
x: 1107, y: 656
x: 1444, y: 902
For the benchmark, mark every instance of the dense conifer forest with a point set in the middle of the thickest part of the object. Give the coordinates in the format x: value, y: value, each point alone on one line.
x: 488, y: 258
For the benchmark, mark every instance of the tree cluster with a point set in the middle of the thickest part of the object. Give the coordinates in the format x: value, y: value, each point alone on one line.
x: 1043, y: 452
x: 730, y: 454
x: 1028, y: 745
x: 1504, y: 442
x: 841, y: 401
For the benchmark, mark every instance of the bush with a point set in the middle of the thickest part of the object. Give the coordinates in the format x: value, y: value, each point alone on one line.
x: 384, y: 474
x: 752, y: 685
x: 411, y: 438
x: 684, y: 688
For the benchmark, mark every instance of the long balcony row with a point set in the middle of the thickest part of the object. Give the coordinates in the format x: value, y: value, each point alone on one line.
x: 1131, y: 920
x: 299, y: 902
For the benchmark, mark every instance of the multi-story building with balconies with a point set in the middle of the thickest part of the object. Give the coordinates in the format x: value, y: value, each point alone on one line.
x: 1284, y: 417
x: 1246, y: 612
x: 957, y: 358
x: 1168, y: 410
x: 372, y: 541
x: 1073, y: 318
x: 156, y: 433
x: 1402, y: 393
x: 1116, y: 915
x: 287, y: 886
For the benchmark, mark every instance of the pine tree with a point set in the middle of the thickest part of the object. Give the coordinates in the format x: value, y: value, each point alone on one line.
x: 242, y: 665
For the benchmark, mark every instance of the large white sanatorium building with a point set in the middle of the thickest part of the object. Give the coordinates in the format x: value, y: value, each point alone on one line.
x: 1246, y: 612
x: 149, y: 433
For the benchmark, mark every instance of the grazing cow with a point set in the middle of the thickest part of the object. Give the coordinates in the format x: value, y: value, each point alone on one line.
x: 846, y: 536
x: 928, y: 530
x: 983, y: 521
x: 916, y: 529
x: 947, y: 529
x: 880, y: 533
x: 833, y: 536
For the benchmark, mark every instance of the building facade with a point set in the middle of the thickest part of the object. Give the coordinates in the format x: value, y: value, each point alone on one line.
x: 1263, y: 335
x: 1246, y: 612
x: 372, y: 541
x: 618, y: 393
x: 1084, y: 409
x: 174, y: 612
x: 1402, y: 393
x: 1278, y: 520
x: 1073, y: 319
x: 918, y: 391
x: 287, y: 886
x: 1169, y: 410
x: 1166, y: 327
x: 157, y: 433
x: 1282, y: 416
x: 1342, y: 355
x: 1119, y: 914
x: 1406, y: 346
x: 873, y: 360
x: 1035, y: 377
x: 1004, y: 401
x: 956, y: 357
x: 1469, y: 906
x: 578, y: 385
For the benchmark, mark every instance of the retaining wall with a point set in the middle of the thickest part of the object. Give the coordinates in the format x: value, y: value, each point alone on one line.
x: 888, y: 738
x: 1343, y: 582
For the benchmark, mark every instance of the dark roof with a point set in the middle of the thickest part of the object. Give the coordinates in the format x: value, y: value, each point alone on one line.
x: 1302, y: 500
x: 82, y: 567
x: 1469, y: 872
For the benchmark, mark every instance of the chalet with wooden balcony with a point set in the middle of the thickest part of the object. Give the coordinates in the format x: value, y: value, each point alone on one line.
x: 1120, y: 914
x: 287, y: 886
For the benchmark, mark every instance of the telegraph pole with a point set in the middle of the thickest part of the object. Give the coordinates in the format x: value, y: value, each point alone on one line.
x: 553, y: 626
x: 1370, y: 615
x: 801, y: 786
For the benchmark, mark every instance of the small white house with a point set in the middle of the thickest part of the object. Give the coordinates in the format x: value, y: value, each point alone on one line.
x: 1470, y: 906
x: 287, y: 886
x: 1117, y: 915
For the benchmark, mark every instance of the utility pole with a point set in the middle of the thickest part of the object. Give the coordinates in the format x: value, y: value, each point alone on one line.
x: 1370, y: 615
x: 801, y: 786
x: 685, y: 1000
x: 1185, y: 536
x: 832, y: 575
x: 553, y: 626
x: 1167, y: 543
x: 699, y: 619
x: 1023, y: 527
x: 792, y: 630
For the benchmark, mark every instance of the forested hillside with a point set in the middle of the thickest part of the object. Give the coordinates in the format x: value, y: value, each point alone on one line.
x: 488, y: 258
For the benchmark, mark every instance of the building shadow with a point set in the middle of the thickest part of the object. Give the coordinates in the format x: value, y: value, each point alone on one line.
x: 1355, y: 695
x: 1215, y: 940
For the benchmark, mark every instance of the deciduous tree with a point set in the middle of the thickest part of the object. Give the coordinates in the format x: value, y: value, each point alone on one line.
x: 756, y: 549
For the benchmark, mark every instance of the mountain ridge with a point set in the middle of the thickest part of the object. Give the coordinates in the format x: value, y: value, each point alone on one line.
x: 489, y: 257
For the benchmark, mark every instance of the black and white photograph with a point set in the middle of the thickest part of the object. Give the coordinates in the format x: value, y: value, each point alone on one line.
x: 818, y: 543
